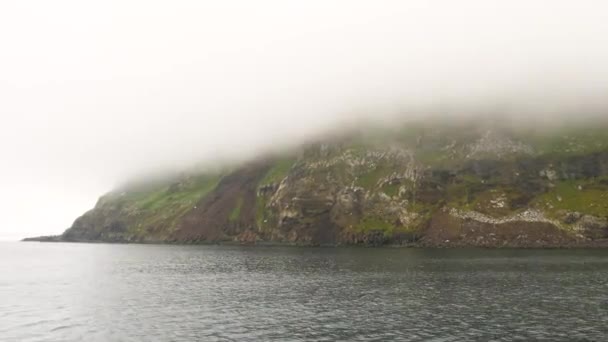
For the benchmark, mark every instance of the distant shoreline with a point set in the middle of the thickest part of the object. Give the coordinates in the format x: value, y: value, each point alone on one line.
x: 596, y: 244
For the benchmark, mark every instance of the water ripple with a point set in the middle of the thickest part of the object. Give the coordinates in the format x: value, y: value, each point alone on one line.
x: 73, y: 292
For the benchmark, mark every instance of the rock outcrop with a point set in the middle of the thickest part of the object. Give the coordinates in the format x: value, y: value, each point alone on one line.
x: 426, y: 184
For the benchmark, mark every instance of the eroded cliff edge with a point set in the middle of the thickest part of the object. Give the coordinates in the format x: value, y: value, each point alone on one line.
x: 428, y: 184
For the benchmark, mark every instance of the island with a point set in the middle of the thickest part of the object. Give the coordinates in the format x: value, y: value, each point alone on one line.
x: 436, y: 183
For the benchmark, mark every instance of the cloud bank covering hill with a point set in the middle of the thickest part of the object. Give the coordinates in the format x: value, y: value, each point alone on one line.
x: 94, y: 94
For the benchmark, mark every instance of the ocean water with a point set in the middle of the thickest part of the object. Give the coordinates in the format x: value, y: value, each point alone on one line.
x: 102, y: 292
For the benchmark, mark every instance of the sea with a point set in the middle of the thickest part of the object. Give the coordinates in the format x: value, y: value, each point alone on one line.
x: 120, y: 292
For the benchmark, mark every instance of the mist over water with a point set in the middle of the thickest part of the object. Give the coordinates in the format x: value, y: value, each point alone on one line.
x: 96, y: 93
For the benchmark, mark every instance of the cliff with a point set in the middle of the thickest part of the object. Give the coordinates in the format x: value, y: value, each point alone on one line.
x: 427, y: 183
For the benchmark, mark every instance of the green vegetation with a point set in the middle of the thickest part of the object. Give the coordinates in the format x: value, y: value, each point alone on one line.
x: 566, y: 141
x: 391, y: 189
x: 260, y: 207
x: 494, y: 202
x: 319, y: 193
x: 432, y: 157
x: 370, y: 179
x: 274, y: 175
x: 371, y: 223
x: 278, y: 171
x: 158, y: 208
x: 186, y: 193
x: 461, y: 193
x: 585, y: 196
x: 235, y: 214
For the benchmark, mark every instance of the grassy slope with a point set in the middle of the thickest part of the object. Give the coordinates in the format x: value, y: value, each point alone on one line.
x: 588, y: 196
x: 235, y: 214
x: 273, y: 176
x: 278, y: 171
x: 566, y: 141
x: 157, y: 209
x: 473, y: 193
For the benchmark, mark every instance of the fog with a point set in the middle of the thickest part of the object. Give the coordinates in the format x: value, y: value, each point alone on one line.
x: 94, y: 92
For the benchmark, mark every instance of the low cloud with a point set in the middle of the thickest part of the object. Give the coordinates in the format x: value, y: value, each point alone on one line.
x: 94, y: 93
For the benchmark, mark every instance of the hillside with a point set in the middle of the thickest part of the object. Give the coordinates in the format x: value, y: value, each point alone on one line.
x: 427, y: 183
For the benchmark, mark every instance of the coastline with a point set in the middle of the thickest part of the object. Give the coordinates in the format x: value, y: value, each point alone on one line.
x: 593, y: 244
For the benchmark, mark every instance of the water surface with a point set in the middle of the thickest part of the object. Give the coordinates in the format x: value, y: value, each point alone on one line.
x: 101, y: 292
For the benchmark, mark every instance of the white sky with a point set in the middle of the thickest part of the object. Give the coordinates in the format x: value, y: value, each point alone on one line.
x: 93, y: 92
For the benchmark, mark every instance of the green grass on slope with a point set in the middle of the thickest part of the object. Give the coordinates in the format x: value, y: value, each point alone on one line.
x: 585, y: 196
x: 278, y: 171
x: 370, y: 179
x: 260, y: 207
x: 567, y: 141
x: 274, y: 175
x: 188, y: 193
x: 370, y: 223
x: 235, y: 214
x: 162, y: 207
x: 391, y: 189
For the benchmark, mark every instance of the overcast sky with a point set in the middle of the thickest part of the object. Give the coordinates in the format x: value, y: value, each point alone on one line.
x: 93, y: 92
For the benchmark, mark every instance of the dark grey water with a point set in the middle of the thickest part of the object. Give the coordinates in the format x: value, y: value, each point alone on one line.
x: 97, y: 292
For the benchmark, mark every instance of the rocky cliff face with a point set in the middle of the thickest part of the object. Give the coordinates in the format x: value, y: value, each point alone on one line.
x: 432, y: 184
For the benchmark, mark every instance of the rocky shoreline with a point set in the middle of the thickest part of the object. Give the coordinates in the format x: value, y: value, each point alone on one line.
x: 596, y: 244
x: 432, y: 185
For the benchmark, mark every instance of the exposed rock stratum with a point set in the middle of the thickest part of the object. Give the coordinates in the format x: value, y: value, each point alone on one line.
x: 427, y: 184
